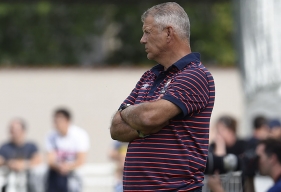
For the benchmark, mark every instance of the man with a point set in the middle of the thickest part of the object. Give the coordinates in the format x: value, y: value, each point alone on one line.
x: 269, y: 164
x: 67, y: 147
x: 167, y: 122
x: 18, y: 154
x: 226, y: 140
x: 269, y: 153
x: 261, y: 131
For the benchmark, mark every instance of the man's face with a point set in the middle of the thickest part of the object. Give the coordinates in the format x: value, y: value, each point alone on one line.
x: 264, y: 161
x: 17, y: 132
x: 154, y: 39
x: 61, y: 123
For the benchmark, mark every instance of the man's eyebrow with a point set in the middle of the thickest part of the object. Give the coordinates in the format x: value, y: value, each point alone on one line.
x: 146, y: 28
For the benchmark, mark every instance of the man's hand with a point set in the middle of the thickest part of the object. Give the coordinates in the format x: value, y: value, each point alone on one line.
x: 17, y: 165
x: 65, y: 168
x: 220, y: 149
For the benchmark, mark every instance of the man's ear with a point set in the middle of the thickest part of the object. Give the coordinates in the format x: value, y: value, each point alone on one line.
x: 170, y: 33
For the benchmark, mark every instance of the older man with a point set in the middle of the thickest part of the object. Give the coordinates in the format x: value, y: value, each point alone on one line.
x: 19, y: 155
x: 166, y: 117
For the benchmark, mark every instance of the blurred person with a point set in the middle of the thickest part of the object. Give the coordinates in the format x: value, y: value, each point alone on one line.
x: 268, y: 153
x: 19, y: 155
x: 269, y: 163
x: 226, y: 140
x: 261, y: 131
x: 67, y: 147
x: 275, y: 128
x: 166, y: 117
x: 118, y: 154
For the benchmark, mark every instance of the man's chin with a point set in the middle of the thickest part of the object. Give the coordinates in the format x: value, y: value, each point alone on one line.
x: 149, y: 56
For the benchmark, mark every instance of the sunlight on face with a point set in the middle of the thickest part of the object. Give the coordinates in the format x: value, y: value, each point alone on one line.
x: 153, y: 39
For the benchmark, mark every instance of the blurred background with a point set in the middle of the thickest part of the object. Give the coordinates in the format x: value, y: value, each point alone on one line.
x: 86, y: 56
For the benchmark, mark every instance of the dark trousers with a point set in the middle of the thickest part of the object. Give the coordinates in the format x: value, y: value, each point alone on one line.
x: 56, y: 182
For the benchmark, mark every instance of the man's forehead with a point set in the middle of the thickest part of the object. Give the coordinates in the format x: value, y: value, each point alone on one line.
x: 148, y: 22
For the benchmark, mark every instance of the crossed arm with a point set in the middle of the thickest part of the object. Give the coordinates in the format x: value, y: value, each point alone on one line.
x: 21, y: 164
x: 148, y: 118
x: 66, y: 167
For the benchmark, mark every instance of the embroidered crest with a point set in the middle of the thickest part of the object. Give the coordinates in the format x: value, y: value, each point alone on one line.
x: 145, y: 86
x: 164, y: 89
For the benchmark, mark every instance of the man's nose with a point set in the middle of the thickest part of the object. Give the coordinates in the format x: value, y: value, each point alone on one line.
x: 143, y: 39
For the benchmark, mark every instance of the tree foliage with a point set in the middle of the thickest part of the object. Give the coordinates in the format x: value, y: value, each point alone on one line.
x: 61, y: 34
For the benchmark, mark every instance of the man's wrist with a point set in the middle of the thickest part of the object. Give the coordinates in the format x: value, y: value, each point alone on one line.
x: 122, y: 108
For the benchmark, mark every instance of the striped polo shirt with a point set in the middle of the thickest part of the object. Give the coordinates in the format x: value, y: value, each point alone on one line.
x: 174, y: 158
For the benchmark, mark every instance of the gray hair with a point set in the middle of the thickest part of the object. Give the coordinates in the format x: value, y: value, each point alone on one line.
x: 170, y: 14
x: 20, y: 121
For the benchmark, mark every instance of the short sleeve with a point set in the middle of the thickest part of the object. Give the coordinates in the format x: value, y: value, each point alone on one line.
x: 3, y: 152
x: 84, y: 142
x: 134, y: 94
x: 32, y: 149
x: 189, y: 90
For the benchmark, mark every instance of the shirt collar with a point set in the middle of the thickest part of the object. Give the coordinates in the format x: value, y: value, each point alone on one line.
x: 180, y: 64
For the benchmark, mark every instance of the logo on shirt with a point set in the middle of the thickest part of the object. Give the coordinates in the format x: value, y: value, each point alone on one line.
x: 145, y: 86
x: 164, y: 89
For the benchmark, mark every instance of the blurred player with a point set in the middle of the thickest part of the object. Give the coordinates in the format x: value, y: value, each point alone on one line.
x: 19, y: 156
x: 226, y: 140
x: 67, y: 147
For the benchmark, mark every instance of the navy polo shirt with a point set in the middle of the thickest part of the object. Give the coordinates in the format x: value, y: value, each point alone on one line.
x: 11, y: 151
x: 174, y: 158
